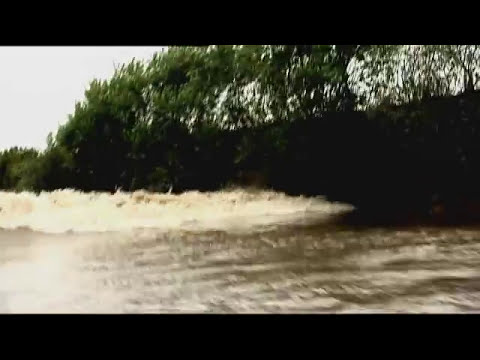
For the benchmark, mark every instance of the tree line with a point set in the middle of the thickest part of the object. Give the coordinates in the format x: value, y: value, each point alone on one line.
x: 365, y: 124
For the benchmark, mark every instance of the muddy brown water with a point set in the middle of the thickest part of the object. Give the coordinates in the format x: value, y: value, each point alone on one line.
x: 290, y: 269
x: 308, y: 264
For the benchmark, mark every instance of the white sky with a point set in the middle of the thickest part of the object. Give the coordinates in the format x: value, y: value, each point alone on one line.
x: 40, y: 85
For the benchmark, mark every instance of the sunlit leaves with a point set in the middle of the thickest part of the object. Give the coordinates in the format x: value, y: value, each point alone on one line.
x: 399, y: 74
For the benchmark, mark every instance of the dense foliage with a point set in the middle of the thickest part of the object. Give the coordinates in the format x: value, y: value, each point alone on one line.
x: 371, y: 125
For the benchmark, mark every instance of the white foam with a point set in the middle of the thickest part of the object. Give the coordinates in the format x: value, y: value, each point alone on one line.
x: 69, y: 210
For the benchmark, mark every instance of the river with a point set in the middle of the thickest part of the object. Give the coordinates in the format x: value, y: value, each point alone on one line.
x: 234, y: 251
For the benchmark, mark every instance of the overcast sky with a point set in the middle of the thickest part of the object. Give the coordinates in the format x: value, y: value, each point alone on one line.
x: 40, y: 85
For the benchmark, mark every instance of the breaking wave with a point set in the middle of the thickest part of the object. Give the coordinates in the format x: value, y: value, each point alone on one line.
x: 239, y: 209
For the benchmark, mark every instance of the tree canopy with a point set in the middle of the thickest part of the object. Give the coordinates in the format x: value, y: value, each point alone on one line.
x: 307, y: 118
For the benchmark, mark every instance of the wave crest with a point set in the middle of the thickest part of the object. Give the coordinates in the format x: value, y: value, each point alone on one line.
x: 69, y: 210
